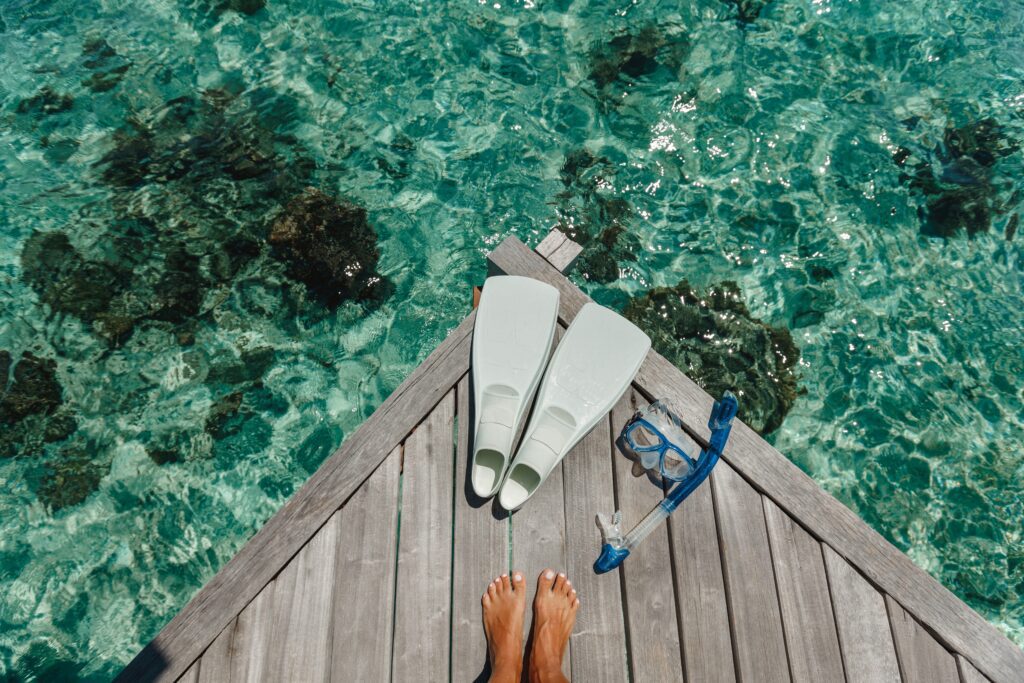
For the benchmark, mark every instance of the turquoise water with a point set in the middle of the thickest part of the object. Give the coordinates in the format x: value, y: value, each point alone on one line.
x: 851, y: 167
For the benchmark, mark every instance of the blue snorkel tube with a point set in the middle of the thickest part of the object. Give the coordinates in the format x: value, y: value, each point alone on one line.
x: 616, y: 546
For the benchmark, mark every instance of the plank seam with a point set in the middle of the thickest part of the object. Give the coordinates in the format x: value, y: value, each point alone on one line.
x: 623, y: 602
x: 778, y: 588
x: 726, y: 582
x: 394, y: 580
x: 832, y: 602
x: 676, y: 590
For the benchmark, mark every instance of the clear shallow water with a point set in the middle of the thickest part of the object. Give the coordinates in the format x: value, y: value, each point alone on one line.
x: 761, y: 153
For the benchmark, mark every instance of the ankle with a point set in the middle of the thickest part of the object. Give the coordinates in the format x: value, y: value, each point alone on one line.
x: 506, y: 670
x: 545, y: 672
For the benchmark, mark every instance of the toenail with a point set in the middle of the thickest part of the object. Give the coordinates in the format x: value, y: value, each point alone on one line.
x: 504, y: 576
x: 561, y: 574
x: 518, y: 577
x: 549, y: 574
x: 568, y: 583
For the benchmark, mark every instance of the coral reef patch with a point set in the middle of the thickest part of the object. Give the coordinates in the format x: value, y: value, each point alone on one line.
x: 712, y: 337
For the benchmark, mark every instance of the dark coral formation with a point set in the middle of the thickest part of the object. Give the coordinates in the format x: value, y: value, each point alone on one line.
x: 713, y: 338
x: 32, y: 411
x: 958, y: 180
x: 70, y: 477
x: 747, y: 11
x: 593, y: 219
x: 45, y: 102
x: 107, y: 67
x: 328, y: 245
x: 628, y: 57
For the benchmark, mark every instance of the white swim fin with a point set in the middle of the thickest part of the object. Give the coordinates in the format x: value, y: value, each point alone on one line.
x: 512, y: 339
x: 593, y: 366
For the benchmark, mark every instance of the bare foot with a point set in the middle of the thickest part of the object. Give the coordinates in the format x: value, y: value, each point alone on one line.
x: 554, y: 613
x: 504, y: 604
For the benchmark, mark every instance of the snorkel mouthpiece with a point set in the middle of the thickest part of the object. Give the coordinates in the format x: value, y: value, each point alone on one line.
x: 611, y: 557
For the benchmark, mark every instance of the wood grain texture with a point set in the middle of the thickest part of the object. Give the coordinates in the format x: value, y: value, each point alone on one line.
x: 862, y: 624
x: 299, y: 645
x: 922, y: 659
x: 251, y: 639
x: 700, y: 590
x: 598, y: 644
x: 758, y: 642
x: 558, y: 250
x: 807, y: 620
x: 828, y: 520
x: 191, y: 674
x: 647, y: 573
x: 423, y: 589
x: 237, y: 583
x: 481, y: 552
x: 364, y: 584
x: 968, y: 674
x: 538, y: 539
x: 215, y: 666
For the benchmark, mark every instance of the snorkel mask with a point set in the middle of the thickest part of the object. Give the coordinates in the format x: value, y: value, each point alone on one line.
x: 656, y: 439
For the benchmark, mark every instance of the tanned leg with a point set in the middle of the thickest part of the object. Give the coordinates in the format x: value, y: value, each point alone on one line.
x: 554, y: 613
x: 504, y: 604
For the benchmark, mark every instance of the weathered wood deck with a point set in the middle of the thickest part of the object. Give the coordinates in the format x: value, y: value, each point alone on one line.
x: 373, y: 570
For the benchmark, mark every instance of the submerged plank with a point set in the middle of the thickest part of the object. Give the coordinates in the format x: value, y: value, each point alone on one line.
x: 299, y: 648
x: 364, y: 587
x: 700, y: 590
x: 423, y: 586
x: 960, y: 627
x: 647, y: 572
x: 922, y: 659
x: 598, y: 644
x: 251, y: 639
x: 862, y: 624
x: 190, y: 632
x: 807, y: 619
x: 758, y: 640
x: 481, y: 552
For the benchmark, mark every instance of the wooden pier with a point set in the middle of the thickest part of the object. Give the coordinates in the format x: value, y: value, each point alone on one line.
x: 373, y: 570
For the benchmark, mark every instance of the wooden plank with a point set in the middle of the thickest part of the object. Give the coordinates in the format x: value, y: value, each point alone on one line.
x: 862, y: 624
x: 190, y: 632
x: 423, y: 590
x: 647, y: 572
x: 364, y: 587
x: 481, y: 552
x: 758, y: 642
x: 807, y: 620
x: 215, y: 666
x: 922, y: 659
x: 598, y: 643
x: 968, y: 674
x: 538, y: 540
x: 299, y: 648
x: 191, y: 674
x: 960, y: 628
x: 701, y: 599
x: 558, y: 250
x: 251, y: 639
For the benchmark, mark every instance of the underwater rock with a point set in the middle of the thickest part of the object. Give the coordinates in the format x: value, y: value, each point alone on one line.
x: 45, y: 102
x: 108, y: 67
x: 328, y: 245
x: 32, y: 389
x: 713, y: 338
x: 636, y: 56
x: 66, y: 281
x: 965, y: 194
x: 69, y: 478
x: 594, y: 220
x: 179, y: 292
x: 163, y: 456
x: 747, y: 11
x: 221, y: 412
x: 250, y: 367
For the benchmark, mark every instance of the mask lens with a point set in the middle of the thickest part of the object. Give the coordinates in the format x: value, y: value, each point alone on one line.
x: 674, y: 467
x: 644, y: 437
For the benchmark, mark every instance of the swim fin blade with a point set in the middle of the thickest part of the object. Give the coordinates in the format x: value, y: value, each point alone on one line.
x: 593, y: 366
x: 512, y: 339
